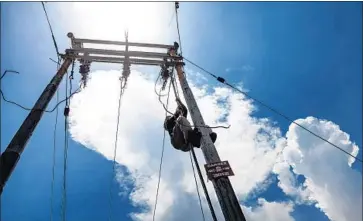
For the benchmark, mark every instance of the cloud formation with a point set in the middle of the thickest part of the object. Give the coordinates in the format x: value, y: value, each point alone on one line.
x: 251, y: 145
x: 329, y: 180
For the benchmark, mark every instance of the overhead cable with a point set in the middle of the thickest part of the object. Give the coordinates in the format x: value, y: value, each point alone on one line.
x: 51, y: 29
x: 177, y: 26
x: 223, y: 81
x: 161, y: 159
x: 65, y: 155
x: 30, y: 109
x: 54, y: 154
x: 196, y: 185
x: 192, y: 154
x: 115, y: 147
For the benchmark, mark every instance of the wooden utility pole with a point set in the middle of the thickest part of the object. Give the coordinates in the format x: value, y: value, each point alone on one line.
x: 10, y: 157
x: 226, y: 196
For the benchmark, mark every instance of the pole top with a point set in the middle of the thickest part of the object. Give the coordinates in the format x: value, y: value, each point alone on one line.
x: 70, y: 35
x: 176, y: 45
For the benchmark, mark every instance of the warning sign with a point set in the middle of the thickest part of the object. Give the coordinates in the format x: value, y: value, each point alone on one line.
x: 219, y: 169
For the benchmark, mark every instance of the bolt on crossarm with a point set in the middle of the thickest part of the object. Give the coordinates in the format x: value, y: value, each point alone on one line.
x: 226, y: 196
x: 10, y: 157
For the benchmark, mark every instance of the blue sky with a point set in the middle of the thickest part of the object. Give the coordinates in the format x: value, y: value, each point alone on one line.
x: 304, y: 59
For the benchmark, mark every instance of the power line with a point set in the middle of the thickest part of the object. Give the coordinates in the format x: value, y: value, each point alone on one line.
x: 54, y: 154
x: 171, y: 19
x: 223, y: 81
x: 175, y: 86
x: 8, y: 71
x: 30, y: 109
x: 203, y: 185
x: 51, y: 30
x: 115, y: 148
x: 156, y: 82
x: 66, y: 143
x: 65, y: 162
x: 65, y: 159
x: 177, y: 25
x: 2, y: 76
x: 161, y: 159
x: 196, y: 185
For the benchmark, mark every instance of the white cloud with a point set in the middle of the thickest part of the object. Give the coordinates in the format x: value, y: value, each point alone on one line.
x: 252, y: 146
x: 271, y: 211
x: 249, y: 144
x: 330, y: 181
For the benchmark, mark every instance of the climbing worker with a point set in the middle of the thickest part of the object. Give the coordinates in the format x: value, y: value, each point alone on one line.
x: 180, y: 130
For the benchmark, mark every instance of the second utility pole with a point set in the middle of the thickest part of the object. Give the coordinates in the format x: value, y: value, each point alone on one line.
x: 226, y: 196
x: 10, y: 157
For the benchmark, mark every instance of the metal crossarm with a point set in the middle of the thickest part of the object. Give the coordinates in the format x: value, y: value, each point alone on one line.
x: 83, y: 53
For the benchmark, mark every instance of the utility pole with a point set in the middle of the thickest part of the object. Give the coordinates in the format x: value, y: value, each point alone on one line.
x: 10, y: 157
x: 226, y: 196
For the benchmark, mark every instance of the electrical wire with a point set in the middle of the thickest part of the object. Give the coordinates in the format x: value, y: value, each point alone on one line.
x: 159, y: 96
x: 65, y: 162
x: 8, y: 71
x: 161, y: 159
x: 223, y: 81
x: 51, y: 29
x: 192, y: 152
x: 176, y: 91
x: 156, y: 82
x: 115, y: 148
x: 2, y: 76
x: 65, y: 159
x: 171, y: 19
x: 196, y: 184
x: 54, y: 154
x: 55, y: 61
x: 177, y: 26
x: 175, y: 87
x: 31, y: 109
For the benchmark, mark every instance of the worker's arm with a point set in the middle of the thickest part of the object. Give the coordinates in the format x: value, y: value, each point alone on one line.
x: 169, y: 124
x: 181, y: 109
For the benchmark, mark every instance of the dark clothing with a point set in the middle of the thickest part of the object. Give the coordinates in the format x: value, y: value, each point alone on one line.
x: 170, y: 121
x: 178, y: 127
x: 181, y: 133
x: 182, y: 136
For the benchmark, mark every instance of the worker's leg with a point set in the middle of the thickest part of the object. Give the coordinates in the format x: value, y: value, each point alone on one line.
x: 177, y: 140
x: 193, y: 136
x: 184, y: 126
x: 186, y: 147
x: 213, y: 136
